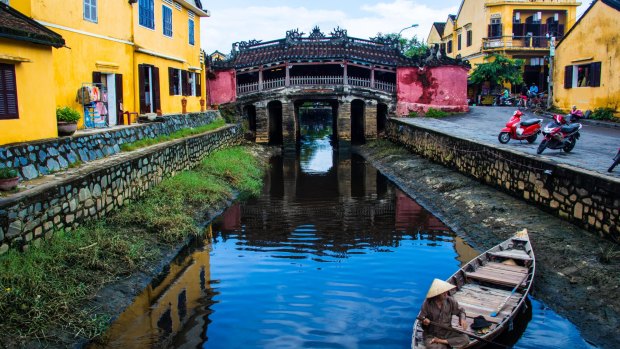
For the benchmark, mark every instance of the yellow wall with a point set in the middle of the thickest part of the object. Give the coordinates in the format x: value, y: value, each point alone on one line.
x: 433, y: 37
x: 35, y: 93
x: 474, y: 17
x: 591, y: 42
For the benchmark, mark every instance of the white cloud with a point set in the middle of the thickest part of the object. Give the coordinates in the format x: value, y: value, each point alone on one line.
x: 230, y: 25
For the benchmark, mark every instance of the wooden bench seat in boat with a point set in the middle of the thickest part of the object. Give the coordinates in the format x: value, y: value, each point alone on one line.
x: 514, y: 254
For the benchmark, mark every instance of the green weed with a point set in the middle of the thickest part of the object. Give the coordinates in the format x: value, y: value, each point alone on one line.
x: 44, y: 291
x: 436, y: 113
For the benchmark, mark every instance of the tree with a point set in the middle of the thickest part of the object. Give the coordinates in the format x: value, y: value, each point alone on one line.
x: 409, y: 48
x: 499, y: 69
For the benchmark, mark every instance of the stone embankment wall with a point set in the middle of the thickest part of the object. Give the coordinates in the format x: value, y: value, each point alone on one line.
x: 34, y: 159
x: 585, y: 198
x: 32, y: 216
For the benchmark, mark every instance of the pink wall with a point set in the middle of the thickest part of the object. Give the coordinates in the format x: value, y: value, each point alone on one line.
x: 222, y: 89
x: 418, y: 89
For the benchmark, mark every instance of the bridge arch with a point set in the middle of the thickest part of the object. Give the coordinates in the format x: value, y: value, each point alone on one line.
x: 382, y: 112
x: 249, y: 115
x: 358, y: 121
x: 274, y: 120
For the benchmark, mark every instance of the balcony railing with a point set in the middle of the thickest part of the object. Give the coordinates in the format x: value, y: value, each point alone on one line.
x: 516, y: 42
x: 315, y: 80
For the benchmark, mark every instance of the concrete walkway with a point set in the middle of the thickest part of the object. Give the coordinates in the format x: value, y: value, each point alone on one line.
x: 594, y: 151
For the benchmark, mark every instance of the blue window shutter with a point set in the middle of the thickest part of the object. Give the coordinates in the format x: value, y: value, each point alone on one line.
x: 191, y: 32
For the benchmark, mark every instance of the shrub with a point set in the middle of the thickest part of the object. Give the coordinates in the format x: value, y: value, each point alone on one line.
x: 603, y: 114
x: 435, y: 113
x: 67, y: 114
x: 412, y: 114
x: 6, y: 173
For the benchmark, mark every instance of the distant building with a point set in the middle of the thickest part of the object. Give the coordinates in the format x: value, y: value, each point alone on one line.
x: 217, y: 56
x: 586, y: 60
x: 27, y: 84
x: 515, y: 28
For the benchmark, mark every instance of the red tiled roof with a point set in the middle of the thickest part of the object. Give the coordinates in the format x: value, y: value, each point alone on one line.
x: 17, y: 26
x: 318, y: 47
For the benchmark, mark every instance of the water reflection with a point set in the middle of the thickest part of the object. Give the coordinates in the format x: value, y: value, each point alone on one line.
x: 336, y: 258
x: 316, y: 148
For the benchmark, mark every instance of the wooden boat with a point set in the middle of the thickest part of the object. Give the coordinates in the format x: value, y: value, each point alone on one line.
x: 500, y: 277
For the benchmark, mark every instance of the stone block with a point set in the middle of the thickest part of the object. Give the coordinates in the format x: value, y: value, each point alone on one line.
x: 4, y: 248
x: 578, y: 211
x: 15, y: 229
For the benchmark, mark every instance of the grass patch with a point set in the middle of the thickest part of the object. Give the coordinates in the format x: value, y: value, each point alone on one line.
x: 186, y: 132
x: 436, y: 113
x: 603, y: 114
x: 44, y: 291
x: 383, y: 148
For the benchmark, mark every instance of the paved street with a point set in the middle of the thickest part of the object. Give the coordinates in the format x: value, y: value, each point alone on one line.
x: 594, y: 150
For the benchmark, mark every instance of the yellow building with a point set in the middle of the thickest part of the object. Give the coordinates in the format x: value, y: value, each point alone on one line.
x: 133, y: 55
x: 586, y: 61
x: 27, y: 86
x: 514, y: 28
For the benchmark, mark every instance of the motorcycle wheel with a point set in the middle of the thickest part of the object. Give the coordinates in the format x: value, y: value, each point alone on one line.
x: 541, y: 147
x: 503, y: 137
x: 531, y: 139
x: 611, y: 168
x: 569, y: 146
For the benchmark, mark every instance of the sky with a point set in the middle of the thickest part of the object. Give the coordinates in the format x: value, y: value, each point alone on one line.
x: 243, y: 20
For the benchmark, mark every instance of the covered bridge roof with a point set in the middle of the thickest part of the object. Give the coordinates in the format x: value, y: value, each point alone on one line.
x: 317, y: 47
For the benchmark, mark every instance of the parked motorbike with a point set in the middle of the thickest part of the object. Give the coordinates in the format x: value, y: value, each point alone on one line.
x: 510, y: 101
x: 559, y: 134
x: 519, y: 130
x: 616, y: 161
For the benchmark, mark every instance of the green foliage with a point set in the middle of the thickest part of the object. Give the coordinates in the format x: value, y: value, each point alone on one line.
x: 67, y: 114
x: 6, y: 173
x: 412, y: 114
x: 186, y: 132
x: 435, y: 113
x: 229, y: 113
x: 603, y: 114
x: 500, y: 69
x: 409, y: 48
x: 45, y: 289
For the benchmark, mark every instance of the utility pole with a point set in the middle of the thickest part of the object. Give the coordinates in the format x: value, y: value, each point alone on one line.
x: 550, y: 77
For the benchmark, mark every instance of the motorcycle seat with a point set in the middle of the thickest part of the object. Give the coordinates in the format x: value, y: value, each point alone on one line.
x: 570, y: 128
x: 530, y: 122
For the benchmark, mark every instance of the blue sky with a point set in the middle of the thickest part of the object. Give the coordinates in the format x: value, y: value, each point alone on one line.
x: 242, y: 20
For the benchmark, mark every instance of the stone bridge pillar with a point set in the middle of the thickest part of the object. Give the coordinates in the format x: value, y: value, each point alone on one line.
x: 344, y: 121
x: 262, y: 123
x: 370, y: 122
x: 289, y: 123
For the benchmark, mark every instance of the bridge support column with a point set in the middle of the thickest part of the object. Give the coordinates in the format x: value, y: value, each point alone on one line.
x: 370, y: 122
x: 289, y: 130
x: 344, y: 123
x: 262, y: 124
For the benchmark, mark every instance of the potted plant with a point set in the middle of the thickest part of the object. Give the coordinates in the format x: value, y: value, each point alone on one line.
x: 67, y: 119
x: 8, y: 179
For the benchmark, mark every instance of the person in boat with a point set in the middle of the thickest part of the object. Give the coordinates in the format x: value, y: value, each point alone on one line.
x: 439, y: 307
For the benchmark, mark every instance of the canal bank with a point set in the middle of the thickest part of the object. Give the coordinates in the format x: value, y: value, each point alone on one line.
x: 574, y: 276
x: 54, y: 295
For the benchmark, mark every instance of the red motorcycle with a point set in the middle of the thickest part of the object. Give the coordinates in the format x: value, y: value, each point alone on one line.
x: 517, y: 129
x: 560, y: 134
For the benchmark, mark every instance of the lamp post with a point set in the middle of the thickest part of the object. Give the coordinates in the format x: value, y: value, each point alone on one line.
x: 405, y: 28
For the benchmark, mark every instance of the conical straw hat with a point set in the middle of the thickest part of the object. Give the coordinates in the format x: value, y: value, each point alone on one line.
x: 438, y: 287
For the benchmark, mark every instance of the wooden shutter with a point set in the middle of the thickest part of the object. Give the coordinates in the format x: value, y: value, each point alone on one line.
x: 185, y: 83
x: 8, y: 92
x: 155, y: 87
x: 118, y: 85
x: 595, y: 74
x: 142, y: 74
x: 96, y: 77
x: 198, y: 78
x: 568, y: 76
x: 171, y: 81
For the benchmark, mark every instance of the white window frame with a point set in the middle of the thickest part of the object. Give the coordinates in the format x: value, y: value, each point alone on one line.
x: 192, y: 76
x: 90, y: 4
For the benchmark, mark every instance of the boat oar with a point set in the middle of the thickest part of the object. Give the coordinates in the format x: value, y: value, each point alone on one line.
x: 495, y: 313
x: 449, y: 328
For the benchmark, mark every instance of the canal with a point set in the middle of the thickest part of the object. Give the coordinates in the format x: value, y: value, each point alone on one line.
x: 331, y: 255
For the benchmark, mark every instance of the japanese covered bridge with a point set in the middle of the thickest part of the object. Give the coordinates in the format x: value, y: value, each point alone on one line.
x: 362, y: 81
